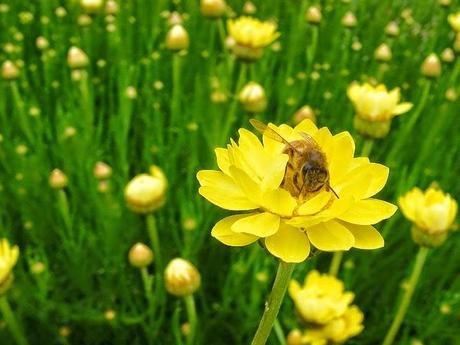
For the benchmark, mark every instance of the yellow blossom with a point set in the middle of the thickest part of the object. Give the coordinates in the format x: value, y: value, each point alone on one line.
x: 454, y: 21
x: 251, y: 36
x: 8, y: 258
x: 321, y: 299
x: 251, y: 180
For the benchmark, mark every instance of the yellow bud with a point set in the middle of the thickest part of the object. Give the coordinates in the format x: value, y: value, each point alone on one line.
x: 451, y: 94
x: 252, y: 98
x: 9, y: 70
x: 69, y: 132
x: 146, y: 193
x: 140, y: 255
x: 175, y: 18
x: 65, y: 331
x: 177, y: 38
x: 447, y: 55
x: 213, y: 8
x: 60, y: 12
x: 383, y: 53
x: 58, y: 179
x: 181, y: 278
x: 38, y: 267
x: 131, y: 92
x: 218, y: 96
x: 356, y: 46
x: 431, y: 66
x: 313, y: 15
x: 306, y: 112
x: 294, y: 337
x: 77, y: 58
x: 102, y: 171
x: 249, y: 7
x: 349, y: 20
x: 185, y: 329
x: 111, y: 7
x: 110, y: 314
x: 42, y: 43
x: 91, y: 6
x: 189, y: 224
x: 445, y: 309
x: 444, y: 3
x: 84, y: 20
x: 392, y: 29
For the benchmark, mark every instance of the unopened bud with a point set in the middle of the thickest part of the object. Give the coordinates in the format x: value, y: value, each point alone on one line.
x: 140, y: 255
x: 42, y: 43
x: 249, y: 8
x: 181, y: 278
x: 383, y: 53
x: 111, y: 7
x: 252, y: 98
x: 213, y: 8
x: 102, y: 171
x: 9, y: 70
x: 431, y: 66
x: 306, y: 112
x: 91, y: 6
x: 77, y: 58
x: 294, y: 337
x: 58, y: 179
x: 445, y: 3
x: 313, y: 15
x: 110, y: 314
x: 392, y: 29
x: 448, y: 55
x: 349, y: 20
x: 177, y: 38
x: 451, y: 94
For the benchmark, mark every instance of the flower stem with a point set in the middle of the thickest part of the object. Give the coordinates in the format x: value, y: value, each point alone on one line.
x: 397, y: 321
x: 272, y: 306
x: 191, y: 314
x: 335, y: 263
x: 367, y: 147
x: 11, y: 321
x: 279, y: 332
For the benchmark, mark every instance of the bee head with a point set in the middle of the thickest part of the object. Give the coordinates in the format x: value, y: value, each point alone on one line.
x: 315, y: 176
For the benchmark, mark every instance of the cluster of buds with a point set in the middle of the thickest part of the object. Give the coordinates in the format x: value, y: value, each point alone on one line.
x: 102, y: 172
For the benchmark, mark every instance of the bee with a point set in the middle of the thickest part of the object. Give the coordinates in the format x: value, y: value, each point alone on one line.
x: 307, y: 168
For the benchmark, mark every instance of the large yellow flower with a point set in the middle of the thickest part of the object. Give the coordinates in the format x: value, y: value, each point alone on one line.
x: 251, y: 178
x: 376, y: 103
x: 8, y: 258
x: 454, y: 21
x: 321, y: 299
x: 432, y: 211
x: 337, y: 331
x: 250, y: 36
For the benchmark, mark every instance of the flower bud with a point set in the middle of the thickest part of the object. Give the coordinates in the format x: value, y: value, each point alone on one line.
x: 383, y: 53
x: 77, y: 58
x: 181, y: 278
x: 140, y: 255
x: 252, y: 98
x: 425, y: 239
x: 448, y: 55
x: 110, y: 315
x: 451, y: 94
x: 102, y: 171
x: 431, y: 66
x: 84, y: 20
x: 111, y: 7
x: 349, y: 20
x: 445, y: 3
x: 313, y: 15
x: 146, y: 193
x: 177, y: 38
x: 306, y: 112
x: 213, y: 8
x: 91, y: 6
x: 58, y: 179
x: 372, y: 129
x: 249, y: 8
x: 9, y: 70
x: 42, y: 43
x: 392, y: 29
x: 294, y: 337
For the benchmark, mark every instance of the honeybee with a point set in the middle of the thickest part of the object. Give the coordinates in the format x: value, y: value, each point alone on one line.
x: 307, y: 169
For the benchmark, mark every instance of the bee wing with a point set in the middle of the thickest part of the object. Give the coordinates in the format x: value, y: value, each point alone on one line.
x: 310, y: 140
x: 269, y: 132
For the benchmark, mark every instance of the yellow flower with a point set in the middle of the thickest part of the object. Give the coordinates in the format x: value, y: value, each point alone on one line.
x: 337, y: 331
x: 433, y: 213
x: 376, y: 103
x: 251, y: 36
x: 251, y: 179
x: 321, y: 299
x: 454, y: 21
x: 8, y: 258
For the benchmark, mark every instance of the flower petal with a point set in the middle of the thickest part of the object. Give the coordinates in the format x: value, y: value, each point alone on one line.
x: 330, y: 236
x: 402, y: 108
x: 279, y: 201
x: 222, y: 159
x: 341, y: 155
x: 274, y: 172
x: 259, y: 224
x: 289, y: 244
x: 315, y: 204
x: 367, y: 212
x: 220, y: 189
x: 222, y: 231
x: 366, y: 236
x: 250, y: 188
x: 306, y: 126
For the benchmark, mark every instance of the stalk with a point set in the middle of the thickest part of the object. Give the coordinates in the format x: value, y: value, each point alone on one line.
x: 13, y: 325
x: 192, y: 319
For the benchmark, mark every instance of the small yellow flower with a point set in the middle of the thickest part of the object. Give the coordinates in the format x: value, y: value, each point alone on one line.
x: 321, y: 299
x: 251, y: 36
x: 454, y: 21
x: 8, y: 258
x: 338, y: 330
x: 433, y: 213
x: 251, y: 179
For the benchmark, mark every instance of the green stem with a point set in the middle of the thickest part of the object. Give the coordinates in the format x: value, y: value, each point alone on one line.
x: 13, y: 325
x: 272, y: 306
x: 311, y: 49
x: 63, y: 205
x: 155, y: 241
x: 192, y: 319
x: 335, y: 263
x: 279, y: 332
x: 397, y: 321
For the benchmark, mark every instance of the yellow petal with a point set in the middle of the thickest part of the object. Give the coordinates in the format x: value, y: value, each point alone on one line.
x: 330, y: 236
x: 220, y: 189
x: 259, y: 224
x: 402, y: 108
x: 248, y: 186
x: 222, y: 159
x: 366, y: 236
x: 306, y: 126
x: 367, y: 212
x: 294, y: 288
x: 315, y: 204
x: 222, y: 231
x: 274, y: 172
x: 409, y: 201
x: 289, y: 244
x: 343, y: 148
x: 279, y: 201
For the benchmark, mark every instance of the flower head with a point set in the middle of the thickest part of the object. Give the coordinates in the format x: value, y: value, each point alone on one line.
x: 8, y: 258
x: 267, y: 181
x: 251, y: 36
x: 454, y: 21
x: 433, y: 213
x: 181, y: 277
x: 321, y: 299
